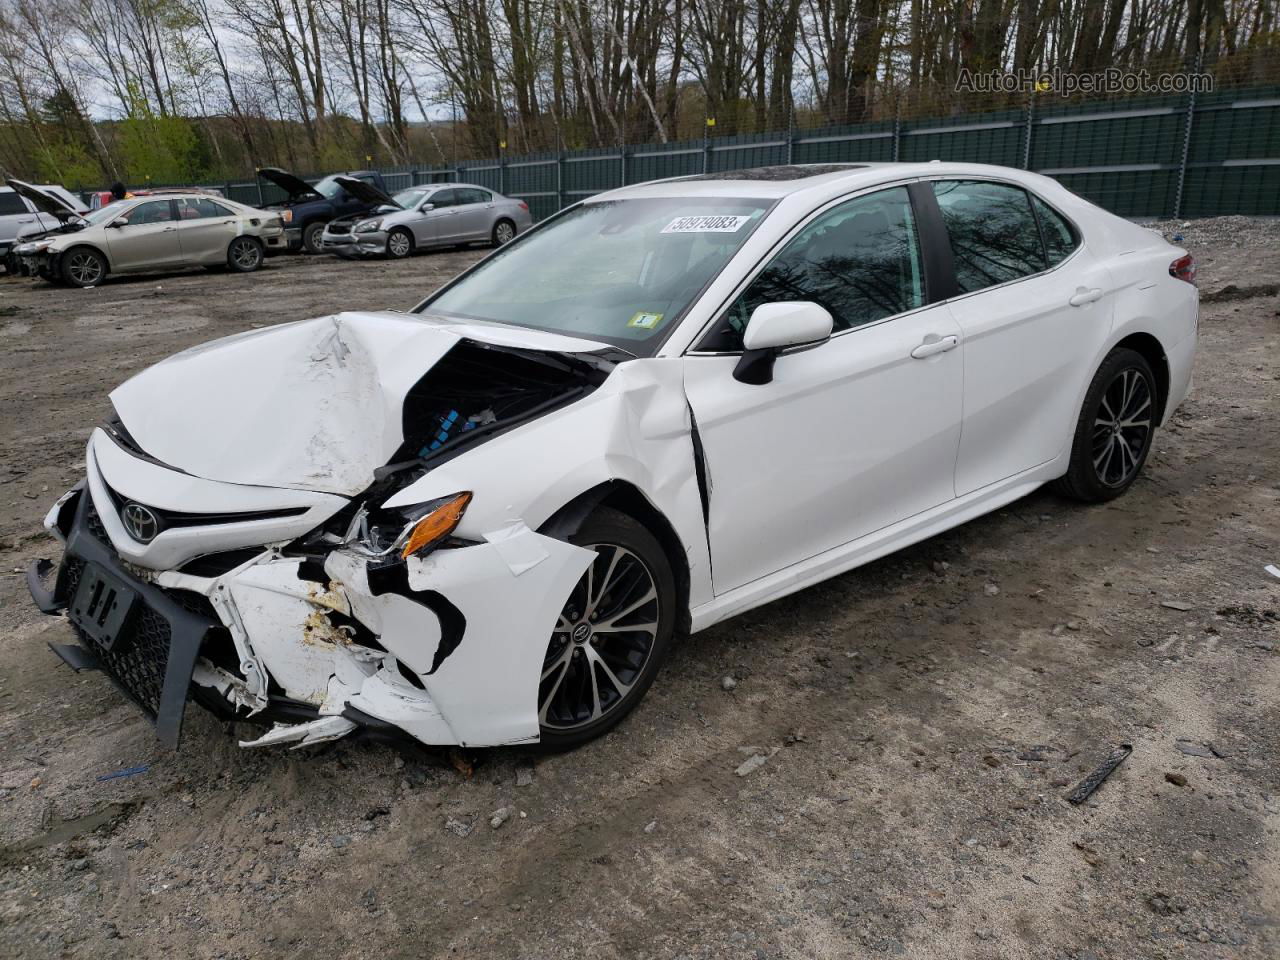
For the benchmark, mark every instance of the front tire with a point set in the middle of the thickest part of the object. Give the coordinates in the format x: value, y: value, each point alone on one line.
x: 399, y: 244
x: 83, y: 267
x: 312, y: 238
x: 614, y: 631
x: 1113, y: 434
x: 244, y: 255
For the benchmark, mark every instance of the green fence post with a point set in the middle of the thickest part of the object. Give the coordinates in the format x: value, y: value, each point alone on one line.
x: 560, y: 181
x: 791, y: 133
x: 706, y: 144
x: 897, y: 130
x: 1186, y: 140
x: 1026, y: 137
x: 622, y: 157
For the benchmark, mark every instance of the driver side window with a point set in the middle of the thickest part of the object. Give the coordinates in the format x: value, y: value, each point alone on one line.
x: 444, y: 198
x: 860, y: 261
x: 153, y: 211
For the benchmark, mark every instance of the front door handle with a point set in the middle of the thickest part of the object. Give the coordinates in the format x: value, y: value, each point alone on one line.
x: 168, y: 229
x: 935, y: 344
x: 1084, y: 295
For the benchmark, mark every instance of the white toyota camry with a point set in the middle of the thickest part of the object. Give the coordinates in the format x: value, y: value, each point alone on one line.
x: 484, y: 520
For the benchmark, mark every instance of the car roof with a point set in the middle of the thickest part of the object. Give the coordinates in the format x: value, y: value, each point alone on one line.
x: 778, y: 182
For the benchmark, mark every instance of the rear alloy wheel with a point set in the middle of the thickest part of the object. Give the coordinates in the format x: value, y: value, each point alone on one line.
x: 1114, y: 432
x: 612, y: 635
x: 82, y: 267
x: 399, y: 244
x: 244, y: 255
x: 504, y: 231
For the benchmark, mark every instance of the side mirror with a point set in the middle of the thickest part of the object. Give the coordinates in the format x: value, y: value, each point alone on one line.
x: 774, y: 327
x: 119, y: 222
x: 427, y: 207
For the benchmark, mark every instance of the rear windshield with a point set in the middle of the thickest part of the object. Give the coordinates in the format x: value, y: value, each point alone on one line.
x: 620, y: 271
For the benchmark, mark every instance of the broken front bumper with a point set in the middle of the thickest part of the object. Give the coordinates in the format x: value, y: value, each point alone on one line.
x: 354, y: 244
x: 447, y: 649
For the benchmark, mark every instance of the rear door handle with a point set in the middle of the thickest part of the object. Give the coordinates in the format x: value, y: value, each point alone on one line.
x: 168, y: 229
x: 935, y: 344
x: 1084, y: 295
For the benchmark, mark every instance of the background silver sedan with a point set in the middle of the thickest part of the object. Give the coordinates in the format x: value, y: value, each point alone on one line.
x: 433, y: 215
x: 156, y: 232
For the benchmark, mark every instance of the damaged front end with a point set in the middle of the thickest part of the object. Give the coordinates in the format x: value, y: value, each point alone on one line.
x: 318, y: 611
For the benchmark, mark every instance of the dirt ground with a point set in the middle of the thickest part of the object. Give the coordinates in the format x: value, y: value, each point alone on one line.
x: 921, y: 719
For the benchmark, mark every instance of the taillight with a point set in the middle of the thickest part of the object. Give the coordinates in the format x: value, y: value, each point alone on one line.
x: 523, y: 206
x: 1184, y: 268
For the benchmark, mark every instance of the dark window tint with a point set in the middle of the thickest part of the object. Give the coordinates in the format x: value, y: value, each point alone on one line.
x: 859, y: 260
x: 472, y: 195
x: 445, y: 198
x: 1059, y: 239
x: 200, y: 208
x: 154, y: 211
x: 11, y: 203
x: 994, y: 236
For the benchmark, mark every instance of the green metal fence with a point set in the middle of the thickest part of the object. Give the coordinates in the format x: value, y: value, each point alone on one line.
x: 1183, y: 156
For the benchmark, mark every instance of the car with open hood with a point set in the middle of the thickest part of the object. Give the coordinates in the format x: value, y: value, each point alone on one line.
x: 28, y: 212
x: 306, y: 208
x: 164, y: 231
x: 419, y: 218
x: 483, y: 521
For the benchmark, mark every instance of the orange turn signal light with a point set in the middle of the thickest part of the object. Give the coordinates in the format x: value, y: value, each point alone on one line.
x: 436, y: 525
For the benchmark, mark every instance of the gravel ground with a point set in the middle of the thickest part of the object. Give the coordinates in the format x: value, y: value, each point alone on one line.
x: 918, y: 722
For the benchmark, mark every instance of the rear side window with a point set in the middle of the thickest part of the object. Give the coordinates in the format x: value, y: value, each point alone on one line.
x: 1059, y: 238
x: 200, y: 208
x: 994, y: 236
x: 11, y: 203
x: 860, y: 261
x: 472, y: 195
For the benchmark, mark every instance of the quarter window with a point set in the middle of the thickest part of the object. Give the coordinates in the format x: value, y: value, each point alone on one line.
x: 859, y: 260
x: 1059, y: 238
x: 994, y: 237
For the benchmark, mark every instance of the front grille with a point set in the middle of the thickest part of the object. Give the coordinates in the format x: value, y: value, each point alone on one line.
x: 139, y: 659
x: 339, y: 228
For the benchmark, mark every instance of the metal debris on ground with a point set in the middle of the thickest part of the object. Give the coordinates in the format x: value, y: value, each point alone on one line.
x: 1272, y: 569
x: 1084, y: 789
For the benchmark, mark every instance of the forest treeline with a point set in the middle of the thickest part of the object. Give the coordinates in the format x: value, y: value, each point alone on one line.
x: 182, y: 90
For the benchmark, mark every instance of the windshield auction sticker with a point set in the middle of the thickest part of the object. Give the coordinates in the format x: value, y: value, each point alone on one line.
x: 705, y: 224
x: 645, y: 321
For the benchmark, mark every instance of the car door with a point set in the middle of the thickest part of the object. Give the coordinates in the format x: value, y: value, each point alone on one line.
x: 205, y: 229
x: 16, y: 214
x: 475, y: 213
x: 442, y: 221
x: 1032, y: 320
x: 849, y: 436
x: 147, y: 240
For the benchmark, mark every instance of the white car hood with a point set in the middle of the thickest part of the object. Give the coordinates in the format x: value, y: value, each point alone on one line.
x: 314, y: 405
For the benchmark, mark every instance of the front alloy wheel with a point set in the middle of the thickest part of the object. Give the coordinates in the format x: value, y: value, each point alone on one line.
x: 612, y: 634
x: 398, y: 244
x: 83, y: 267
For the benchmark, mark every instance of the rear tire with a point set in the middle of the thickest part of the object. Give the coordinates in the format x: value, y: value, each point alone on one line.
x: 1114, y: 431
x: 244, y: 255
x: 504, y: 231
x: 312, y: 238
x: 616, y: 628
x: 83, y: 267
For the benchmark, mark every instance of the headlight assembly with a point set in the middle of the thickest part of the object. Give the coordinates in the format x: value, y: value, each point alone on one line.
x: 407, y: 531
x: 369, y: 226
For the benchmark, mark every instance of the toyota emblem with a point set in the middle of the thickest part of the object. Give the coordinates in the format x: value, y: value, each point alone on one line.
x: 140, y: 522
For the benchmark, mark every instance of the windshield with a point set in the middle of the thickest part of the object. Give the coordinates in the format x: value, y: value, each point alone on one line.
x: 621, y: 271
x: 328, y: 188
x: 410, y: 198
x: 106, y: 214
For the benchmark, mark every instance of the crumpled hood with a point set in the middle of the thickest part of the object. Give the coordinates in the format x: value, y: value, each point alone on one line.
x: 314, y: 405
